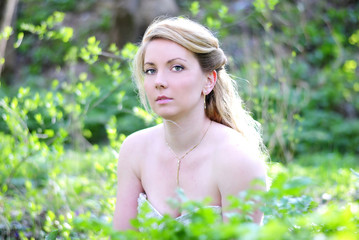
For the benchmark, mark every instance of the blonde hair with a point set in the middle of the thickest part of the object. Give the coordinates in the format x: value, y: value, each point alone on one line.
x: 223, y: 104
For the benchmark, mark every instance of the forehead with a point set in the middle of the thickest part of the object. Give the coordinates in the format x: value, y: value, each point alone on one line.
x: 163, y: 49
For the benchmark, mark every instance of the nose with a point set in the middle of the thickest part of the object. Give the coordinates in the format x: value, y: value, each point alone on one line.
x: 160, y: 81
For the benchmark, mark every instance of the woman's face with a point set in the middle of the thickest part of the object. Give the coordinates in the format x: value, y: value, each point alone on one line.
x: 173, y: 79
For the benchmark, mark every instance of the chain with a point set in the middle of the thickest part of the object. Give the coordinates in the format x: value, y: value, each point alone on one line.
x: 179, y: 159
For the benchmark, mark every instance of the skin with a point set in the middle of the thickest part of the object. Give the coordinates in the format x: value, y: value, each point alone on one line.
x: 220, y: 166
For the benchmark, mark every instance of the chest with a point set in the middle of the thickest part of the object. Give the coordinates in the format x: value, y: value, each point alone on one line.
x: 195, y: 173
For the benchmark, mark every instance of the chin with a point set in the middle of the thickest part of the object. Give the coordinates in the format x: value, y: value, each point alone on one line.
x: 166, y: 116
x: 169, y: 115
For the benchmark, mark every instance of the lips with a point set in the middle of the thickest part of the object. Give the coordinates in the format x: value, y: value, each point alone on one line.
x: 163, y: 99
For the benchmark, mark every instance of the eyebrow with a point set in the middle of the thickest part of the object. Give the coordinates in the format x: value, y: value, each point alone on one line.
x: 169, y: 61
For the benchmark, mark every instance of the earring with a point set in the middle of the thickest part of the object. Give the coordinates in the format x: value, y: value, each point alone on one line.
x: 204, y: 100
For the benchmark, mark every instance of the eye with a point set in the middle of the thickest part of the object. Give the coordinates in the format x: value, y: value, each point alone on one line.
x: 149, y: 71
x: 177, y: 68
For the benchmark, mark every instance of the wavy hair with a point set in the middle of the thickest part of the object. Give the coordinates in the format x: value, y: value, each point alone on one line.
x: 223, y: 104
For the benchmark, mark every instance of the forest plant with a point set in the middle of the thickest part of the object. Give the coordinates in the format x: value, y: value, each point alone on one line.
x: 303, y: 91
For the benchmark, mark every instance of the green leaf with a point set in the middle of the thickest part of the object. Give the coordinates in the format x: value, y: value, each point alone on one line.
x: 14, y: 103
x: 23, y: 92
x: 223, y: 11
x: 38, y: 118
x: 56, y: 17
x: 113, y: 48
x: 49, y: 132
x: 129, y: 51
x: 66, y: 33
x: 263, y: 5
x: 194, y: 8
x: 52, y: 235
x: 20, y: 37
x: 354, y: 38
x: 83, y: 76
x: 6, y: 33
x: 91, y: 40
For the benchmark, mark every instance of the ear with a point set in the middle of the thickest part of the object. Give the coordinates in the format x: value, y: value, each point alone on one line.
x: 211, y: 79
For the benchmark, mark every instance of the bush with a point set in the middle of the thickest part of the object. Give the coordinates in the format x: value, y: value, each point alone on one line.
x: 59, y: 135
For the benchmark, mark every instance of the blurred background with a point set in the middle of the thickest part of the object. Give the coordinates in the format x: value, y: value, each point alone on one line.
x: 67, y: 100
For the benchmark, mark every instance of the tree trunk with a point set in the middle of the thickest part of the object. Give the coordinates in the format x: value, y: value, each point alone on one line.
x: 10, y: 7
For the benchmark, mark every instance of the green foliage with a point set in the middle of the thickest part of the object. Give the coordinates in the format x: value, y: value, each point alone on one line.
x: 6, y: 33
x: 300, y: 71
x: 91, y: 52
x: 263, y: 5
x: 194, y: 8
x: 52, y: 235
x: 44, y: 30
x: 216, y: 15
x: 38, y: 128
x: 288, y: 216
x: 59, y: 135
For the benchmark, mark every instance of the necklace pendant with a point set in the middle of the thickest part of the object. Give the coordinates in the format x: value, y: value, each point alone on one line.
x: 184, y: 155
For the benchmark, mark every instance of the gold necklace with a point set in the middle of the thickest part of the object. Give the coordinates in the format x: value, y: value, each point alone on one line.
x: 179, y: 159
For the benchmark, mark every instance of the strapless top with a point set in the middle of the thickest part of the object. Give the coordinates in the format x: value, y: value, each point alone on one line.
x: 154, y: 213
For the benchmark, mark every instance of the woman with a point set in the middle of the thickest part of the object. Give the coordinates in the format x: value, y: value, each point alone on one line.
x: 207, y: 145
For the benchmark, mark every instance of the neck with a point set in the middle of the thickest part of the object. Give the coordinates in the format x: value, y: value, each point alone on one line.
x: 184, y: 134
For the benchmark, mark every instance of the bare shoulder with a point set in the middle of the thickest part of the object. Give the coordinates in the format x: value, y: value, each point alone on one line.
x: 235, y: 161
x: 140, y: 139
x: 129, y: 151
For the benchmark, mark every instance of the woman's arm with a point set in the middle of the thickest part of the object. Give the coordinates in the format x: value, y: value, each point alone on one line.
x: 128, y: 185
x: 236, y: 172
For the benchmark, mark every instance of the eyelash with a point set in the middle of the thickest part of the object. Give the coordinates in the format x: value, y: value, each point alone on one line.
x: 178, y: 66
x: 152, y: 71
x: 147, y: 71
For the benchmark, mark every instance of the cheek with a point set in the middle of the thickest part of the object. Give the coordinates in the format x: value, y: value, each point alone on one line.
x: 194, y: 84
x: 146, y: 87
x: 193, y: 80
